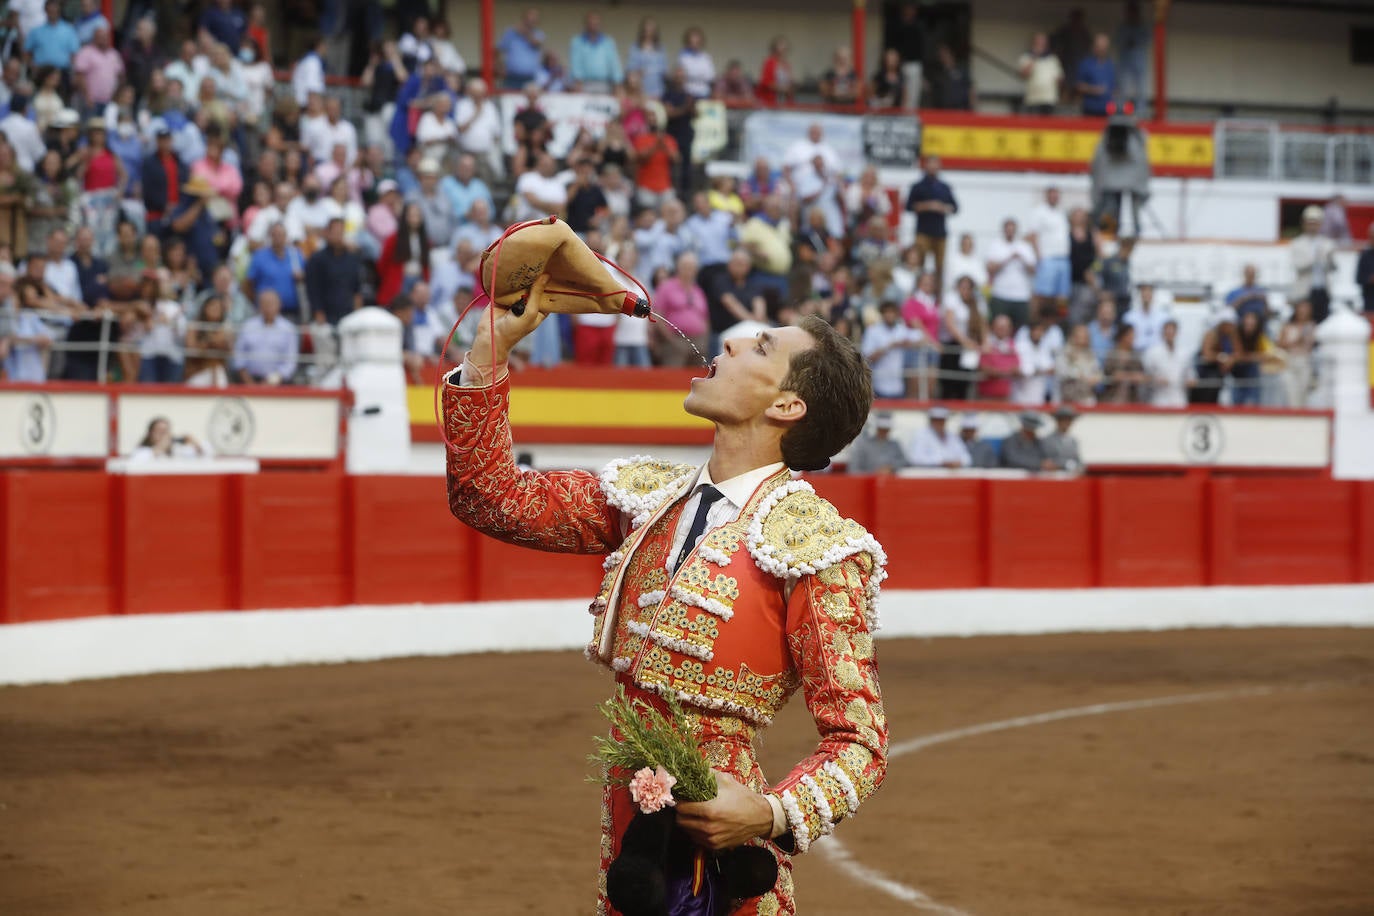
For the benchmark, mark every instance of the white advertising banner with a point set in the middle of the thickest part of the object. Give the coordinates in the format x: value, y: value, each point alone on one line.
x: 251, y: 426
x: 40, y: 424
x: 769, y: 134
x: 571, y: 112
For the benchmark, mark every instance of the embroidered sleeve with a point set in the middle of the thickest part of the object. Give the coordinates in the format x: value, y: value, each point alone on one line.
x: 563, y: 511
x: 831, y: 643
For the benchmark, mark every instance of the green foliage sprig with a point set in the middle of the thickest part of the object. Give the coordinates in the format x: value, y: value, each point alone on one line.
x: 648, y: 738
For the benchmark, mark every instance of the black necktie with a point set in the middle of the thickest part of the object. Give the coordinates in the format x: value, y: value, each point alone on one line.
x: 709, y: 495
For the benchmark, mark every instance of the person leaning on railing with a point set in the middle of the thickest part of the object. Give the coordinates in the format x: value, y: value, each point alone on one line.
x: 209, y: 342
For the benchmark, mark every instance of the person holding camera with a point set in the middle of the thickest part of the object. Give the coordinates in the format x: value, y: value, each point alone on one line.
x: 159, y: 442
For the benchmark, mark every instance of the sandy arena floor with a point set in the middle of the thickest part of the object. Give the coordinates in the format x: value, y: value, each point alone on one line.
x: 457, y: 785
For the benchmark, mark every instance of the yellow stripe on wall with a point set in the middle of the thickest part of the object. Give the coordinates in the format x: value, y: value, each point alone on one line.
x: 579, y: 407
x: 1030, y: 145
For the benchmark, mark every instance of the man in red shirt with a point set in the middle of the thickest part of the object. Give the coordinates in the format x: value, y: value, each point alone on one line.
x: 655, y: 155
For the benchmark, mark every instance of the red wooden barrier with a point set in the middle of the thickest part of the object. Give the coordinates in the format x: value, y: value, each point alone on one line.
x: 1041, y: 534
x: 1289, y: 532
x: 853, y: 496
x: 406, y: 545
x: 294, y: 540
x: 932, y: 531
x: 1152, y: 531
x: 505, y: 572
x: 56, y: 544
x: 175, y: 544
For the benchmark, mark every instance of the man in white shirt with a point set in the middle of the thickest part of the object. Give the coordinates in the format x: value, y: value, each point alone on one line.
x: 813, y: 168
x: 479, y: 130
x: 1147, y: 318
x: 1037, y: 349
x: 937, y: 446
x: 1043, y: 73
x: 330, y: 131
x: 541, y: 191
x: 1169, y: 368
x: 1314, y: 264
x: 22, y: 133
x: 311, y: 210
x: 308, y: 76
x: 279, y: 211
x: 1048, y: 232
x: 885, y: 344
x: 60, y: 271
x: 1011, y: 265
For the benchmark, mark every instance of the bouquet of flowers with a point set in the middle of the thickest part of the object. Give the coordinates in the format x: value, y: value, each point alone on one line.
x: 659, y: 871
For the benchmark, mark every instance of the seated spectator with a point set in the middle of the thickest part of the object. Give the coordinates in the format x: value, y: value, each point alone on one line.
x: 618, y: 190
x: 737, y: 297
x: 435, y: 205
x: 1011, y: 268
x: 1124, y: 373
x: 278, y: 267
x: 982, y: 453
x: 237, y: 306
x: 1037, y: 349
x: 1256, y: 355
x: 159, y: 443
x: 1077, y: 369
x: 1250, y: 296
x: 1102, y: 332
x: 333, y: 277
x: 1023, y: 449
x: 866, y: 198
x: 161, y: 342
x: 437, y: 133
x: 734, y: 87
x: 961, y: 341
x: 1114, y: 275
x: 594, y: 339
x: 776, y: 83
x: 885, y: 345
x: 405, y: 256
x: 937, y: 446
x: 341, y: 205
x: 464, y: 188
x: 1297, y: 340
x: 1147, y: 318
x: 632, y: 334
x: 26, y: 341
x: 541, y: 192
x: 190, y: 223
x: 841, y: 84
x: 952, y: 84
x: 479, y: 130
x: 1084, y: 254
x: 267, y: 347
x: 767, y: 236
x: 1168, y: 369
x: 887, y: 89
x: 587, y: 205
x: 762, y: 181
x: 877, y: 452
x: 383, y: 216
x: 224, y: 178
x: 681, y: 301
x: 1061, y: 448
x: 479, y: 231
x: 998, y: 364
x: 1216, y: 357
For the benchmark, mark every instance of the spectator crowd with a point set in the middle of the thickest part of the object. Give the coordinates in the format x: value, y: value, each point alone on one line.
x: 172, y: 212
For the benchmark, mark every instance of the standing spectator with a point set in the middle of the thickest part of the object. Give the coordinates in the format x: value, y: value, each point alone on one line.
x: 541, y: 191
x: 647, y: 58
x: 1077, y: 369
x: 954, y: 89
x: 1102, y: 332
x: 1084, y: 254
x: 1147, y: 318
x: 405, y: 256
x: 99, y: 66
x: 734, y: 87
x: 1037, y: 351
x: 878, y: 452
x: 1249, y: 296
x: 1061, y: 447
x: 1024, y: 450
x: 922, y: 311
x: 333, y: 130
x: 713, y: 234
x: 1314, y: 262
x: 1097, y: 78
x: 1011, y: 265
x: 767, y: 236
x: 631, y: 333
x: 88, y: 20
x: 1335, y: 223
x: 333, y: 277
x: 885, y: 344
x: 189, y: 222
x: 681, y: 300
x: 267, y: 347
x: 440, y: 220
x: 1049, y: 235
x: 223, y: 176
x: 1168, y: 370
x: 680, y: 107
x: 937, y: 446
x: 25, y: 142
x: 813, y: 168
x: 437, y: 133
x: 655, y: 154
x: 209, y: 343
x: 1114, y: 275
x: 998, y: 364
x: 50, y: 198
x: 1364, y: 274
x: 1297, y: 340
x: 1072, y: 42
x: 961, y: 341
x: 277, y: 268
x: 237, y: 306
x: 415, y: 45
x: 932, y: 200
x: 1255, y: 353
x: 736, y: 297
x: 55, y: 42
x: 1132, y: 45
x: 776, y: 83
x: 161, y: 344
x: 866, y: 198
x: 522, y: 47
x: 142, y: 56
x: 382, y: 78
x: 594, y: 339
x: 479, y: 130
x: 1124, y: 372
x: 25, y: 345
x: 593, y: 60
x: 308, y: 74
x: 224, y: 23
x: 841, y: 84
x: 909, y: 38
x: 698, y: 69
x: 479, y: 229
x: 1216, y: 358
x: 886, y: 89
x: 587, y: 206
x: 1044, y: 77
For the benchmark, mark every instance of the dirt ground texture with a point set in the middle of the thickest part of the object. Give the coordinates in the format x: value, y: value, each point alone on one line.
x: 458, y: 785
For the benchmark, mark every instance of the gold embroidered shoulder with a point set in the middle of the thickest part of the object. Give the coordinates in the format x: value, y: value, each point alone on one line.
x: 638, y: 486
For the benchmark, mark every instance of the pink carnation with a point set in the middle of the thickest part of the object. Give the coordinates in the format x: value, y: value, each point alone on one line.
x: 652, y: 790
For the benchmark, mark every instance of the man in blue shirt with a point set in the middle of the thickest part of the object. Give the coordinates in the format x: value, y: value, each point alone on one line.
x: 1250, y: 296
x: 933, y: 202
x: 593, y: 61
x: 267, y: 345
x: 225, y: 23
x: 277, y: 267
x: 1097, y: 78
x: 713, y: 237
x: 522, y: 48
x: 464, y: 188
x: 55, y: 42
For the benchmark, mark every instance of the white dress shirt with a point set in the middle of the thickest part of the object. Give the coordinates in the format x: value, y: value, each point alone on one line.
x: 929, y: 450
x: 736, y: 492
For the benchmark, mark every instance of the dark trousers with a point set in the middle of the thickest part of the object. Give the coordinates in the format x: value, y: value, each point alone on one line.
x: 955, y: 382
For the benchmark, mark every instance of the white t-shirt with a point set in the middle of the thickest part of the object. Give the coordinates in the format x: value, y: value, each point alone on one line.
x: 1032, y: 384
x: 1042, y: 86
x: 433, y: 134
x: 62, y: 277
x: 800, y: 158
x: 1149, y: 326
x: 320, y: 137
x: 1013, y: 282
x: 482, y: 135
x: 1169, y: 371
x: 958, y: 264
x: 631, y: 331
x: 888, y: 380
x: 264, y: 218
x: 1050, y: 226
x: 551, y: 190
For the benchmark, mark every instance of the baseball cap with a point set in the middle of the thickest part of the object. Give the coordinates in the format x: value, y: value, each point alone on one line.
x: 386, y: 186
x: 938, y: 413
